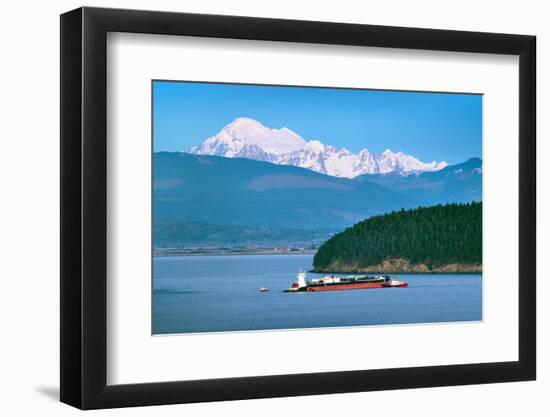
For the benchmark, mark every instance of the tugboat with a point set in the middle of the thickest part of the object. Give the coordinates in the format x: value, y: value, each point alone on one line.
x: 395, y: 283
x: 352, y: 282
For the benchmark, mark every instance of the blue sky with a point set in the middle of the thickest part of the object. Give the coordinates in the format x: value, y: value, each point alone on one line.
x: 430, y: 126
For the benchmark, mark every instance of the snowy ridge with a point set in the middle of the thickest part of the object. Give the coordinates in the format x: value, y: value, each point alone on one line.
x: 248, y: 138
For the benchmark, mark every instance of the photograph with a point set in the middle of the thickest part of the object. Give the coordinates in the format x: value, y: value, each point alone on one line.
x: 296, y: 207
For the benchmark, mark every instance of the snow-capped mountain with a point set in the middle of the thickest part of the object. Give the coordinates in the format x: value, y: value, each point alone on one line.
x: 248, y: 138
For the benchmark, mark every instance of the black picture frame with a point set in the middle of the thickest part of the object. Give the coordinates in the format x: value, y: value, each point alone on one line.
x: 84, y: 207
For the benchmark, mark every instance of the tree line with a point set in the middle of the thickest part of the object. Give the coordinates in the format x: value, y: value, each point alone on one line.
x: 434, y: 236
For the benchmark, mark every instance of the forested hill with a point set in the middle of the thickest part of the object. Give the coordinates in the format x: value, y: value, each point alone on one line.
x: 426, y: 239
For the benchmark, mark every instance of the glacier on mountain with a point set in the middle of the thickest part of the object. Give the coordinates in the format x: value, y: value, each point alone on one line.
x: 248, y: 138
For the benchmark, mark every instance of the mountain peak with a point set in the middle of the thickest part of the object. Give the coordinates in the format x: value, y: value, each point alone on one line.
x: 244, y: 121
x: 315, y: 146
x: 247, y: 138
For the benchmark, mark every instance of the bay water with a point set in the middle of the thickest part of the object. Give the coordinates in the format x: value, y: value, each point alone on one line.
x: 195, y: 294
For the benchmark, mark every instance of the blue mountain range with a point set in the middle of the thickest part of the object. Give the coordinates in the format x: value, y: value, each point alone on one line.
x: 236, y: 195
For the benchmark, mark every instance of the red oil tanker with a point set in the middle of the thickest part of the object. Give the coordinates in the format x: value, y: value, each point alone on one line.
x: 354, y: 282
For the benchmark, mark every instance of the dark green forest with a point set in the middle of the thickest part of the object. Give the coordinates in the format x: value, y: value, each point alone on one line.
x: 433, y: 236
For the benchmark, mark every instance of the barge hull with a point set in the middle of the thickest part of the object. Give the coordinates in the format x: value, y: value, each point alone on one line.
x: 339, y: 287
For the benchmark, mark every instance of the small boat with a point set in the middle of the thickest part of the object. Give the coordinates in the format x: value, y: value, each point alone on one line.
x: 264, y: 289
x: 395, y: 283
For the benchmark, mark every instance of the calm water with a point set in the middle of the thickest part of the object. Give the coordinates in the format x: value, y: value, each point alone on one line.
x: 220, y: 293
